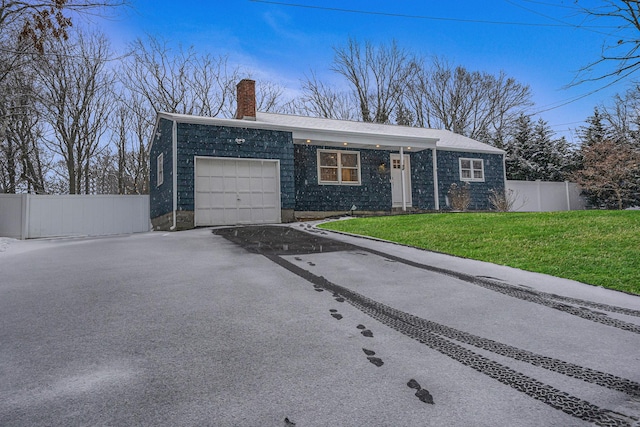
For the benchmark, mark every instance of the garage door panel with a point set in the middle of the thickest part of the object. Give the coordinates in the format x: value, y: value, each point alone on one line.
x: 257, y: 171
x: 230, y: 216
x: 244, y: 216
x: 236, y: 191
x: 257, y: 184
x: 229, y: 183
x: 245, y: 202
x: 243, y: 169
x: 243, y: 184
x: 228, y: 168
x: 215, y: 216
x: 227, y: 200
x: 257, y: 199
x: 204, y: 214
x: 216, y: 183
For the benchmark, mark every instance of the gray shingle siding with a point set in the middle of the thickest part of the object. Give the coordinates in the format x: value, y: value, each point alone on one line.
x: 422, y: 180
x: 449, y: 172
x: 374, y: 193
x: 220, y: 141
x: 299, y: 170
x: 161, y: 197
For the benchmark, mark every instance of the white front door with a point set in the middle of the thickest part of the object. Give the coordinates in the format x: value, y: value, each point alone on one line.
x: 396, y: 180
x: 236, y: 191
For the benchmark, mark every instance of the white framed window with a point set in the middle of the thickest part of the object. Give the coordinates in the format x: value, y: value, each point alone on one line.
x: 471, y: 169
x: 338, y: 167
x: 160, y: 170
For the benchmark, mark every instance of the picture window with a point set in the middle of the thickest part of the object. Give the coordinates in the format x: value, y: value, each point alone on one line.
x: 338, y: 167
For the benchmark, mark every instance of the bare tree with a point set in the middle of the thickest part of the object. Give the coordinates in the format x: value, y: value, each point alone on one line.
x: 269, y: 96
x: 377, y: 77
x: 130, y: 125
x: 321, y: 100
x: 622, y: 117
x: 179, y: 81
x: 160, y: 79
x: 140, y: 126
x: 25, y: 132
x: 39, y: 21
x: 624, y: 50
x: 213, y: 84
x: 475, y: 104
x: 75, y: 99
x: 22, y: 163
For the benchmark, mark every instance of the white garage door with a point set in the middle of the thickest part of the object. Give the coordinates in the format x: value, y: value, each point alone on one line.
x: 237, y: 191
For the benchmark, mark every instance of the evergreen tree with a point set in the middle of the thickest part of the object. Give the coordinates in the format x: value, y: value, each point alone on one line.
x: 595, y: 131
x: 533, y: 153
x: 516, y: 148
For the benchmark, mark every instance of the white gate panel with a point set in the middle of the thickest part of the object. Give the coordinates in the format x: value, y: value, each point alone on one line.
x: 13, y: 215
x: 232, y: 191
x: 86, y: 215
x: 541, y: 196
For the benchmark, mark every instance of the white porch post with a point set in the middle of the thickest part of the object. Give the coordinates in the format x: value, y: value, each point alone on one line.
x: 403, y: 180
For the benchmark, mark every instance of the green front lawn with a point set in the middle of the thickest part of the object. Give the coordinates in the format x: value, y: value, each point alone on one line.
x: 596, y: 247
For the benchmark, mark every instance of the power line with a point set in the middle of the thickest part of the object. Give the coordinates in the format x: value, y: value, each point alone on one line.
x: 59, y: 54
x: 576, y: 98
x: 550, y: 4
x: 424, y: 17
x: 564, y: 23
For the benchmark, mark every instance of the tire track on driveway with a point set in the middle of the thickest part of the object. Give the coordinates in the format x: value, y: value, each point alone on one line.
x: 443, y: 338
x: 399, y: 320
x: 548, y: 300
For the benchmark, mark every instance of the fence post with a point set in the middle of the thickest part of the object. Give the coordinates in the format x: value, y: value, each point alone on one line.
x: 566, y: 187
x: 24, y: 217
x: 539, y: 207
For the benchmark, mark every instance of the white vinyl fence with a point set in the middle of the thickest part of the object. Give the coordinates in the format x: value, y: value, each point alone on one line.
x: 542, y: 196
x: 28, y: 216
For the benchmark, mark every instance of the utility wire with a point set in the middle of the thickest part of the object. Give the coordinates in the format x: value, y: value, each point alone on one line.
x: 425, y: 17
x: 59, y: 54
x: 563, y: 103
x: 591, y: 28
x: 550, y: 4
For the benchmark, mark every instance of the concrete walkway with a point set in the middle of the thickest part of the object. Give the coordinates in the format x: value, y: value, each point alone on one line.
x: 249, y: 326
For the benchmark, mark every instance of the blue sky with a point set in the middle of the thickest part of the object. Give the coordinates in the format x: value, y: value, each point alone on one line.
x: 281, y: 42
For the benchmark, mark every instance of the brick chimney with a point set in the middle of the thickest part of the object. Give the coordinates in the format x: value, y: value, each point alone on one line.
x: 246, y: 100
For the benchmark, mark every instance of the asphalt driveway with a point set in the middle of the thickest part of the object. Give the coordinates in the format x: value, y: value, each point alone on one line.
x: 251, y: 326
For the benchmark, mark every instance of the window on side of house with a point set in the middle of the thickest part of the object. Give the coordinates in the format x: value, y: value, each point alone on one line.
x: 160, y: 170
x: 338, y: 167
x: 471, y: 170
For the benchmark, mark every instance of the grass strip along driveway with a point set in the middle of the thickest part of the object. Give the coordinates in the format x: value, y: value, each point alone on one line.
x: 596, y: 247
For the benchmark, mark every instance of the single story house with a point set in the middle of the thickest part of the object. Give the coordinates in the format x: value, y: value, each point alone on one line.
x: 270, y: 168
